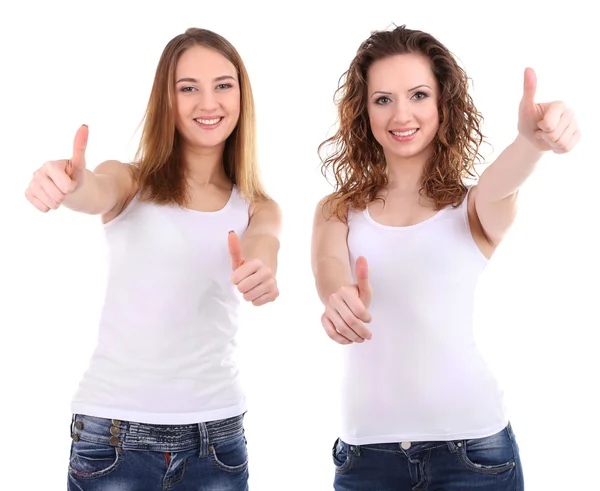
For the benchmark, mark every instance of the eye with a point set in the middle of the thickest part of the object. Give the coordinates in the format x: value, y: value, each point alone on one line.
x: 224, y: 86
x: 420, y: 95
x: 383, y: 100
x: 187, y: 89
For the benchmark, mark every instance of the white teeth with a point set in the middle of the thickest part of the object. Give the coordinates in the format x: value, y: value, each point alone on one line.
x: 404, y: 133
x: 208, y: 121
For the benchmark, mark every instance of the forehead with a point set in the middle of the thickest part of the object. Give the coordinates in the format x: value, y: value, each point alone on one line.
x: 202, y: 62
x: 400, y: 71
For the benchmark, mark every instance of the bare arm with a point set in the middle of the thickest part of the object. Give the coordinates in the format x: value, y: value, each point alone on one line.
x: 103, y: 191
x: 68, y: 182
x: 543, y: 127
x: 496, y: 194
x: 345, y: 302
x: 330, y: 258
x: 261, y: 238
x: 254, y: 256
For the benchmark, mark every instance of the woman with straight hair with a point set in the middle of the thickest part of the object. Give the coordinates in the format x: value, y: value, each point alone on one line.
x: 189, y: 229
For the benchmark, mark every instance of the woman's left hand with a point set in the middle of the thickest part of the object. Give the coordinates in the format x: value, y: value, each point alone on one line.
x: 546, y: 125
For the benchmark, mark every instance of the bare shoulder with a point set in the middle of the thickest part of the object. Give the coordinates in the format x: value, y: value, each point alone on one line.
x: 265, y: 214
x: 326, y: 211
x: 122, y: 178
x: 116, y: 168
x: 265, y: 206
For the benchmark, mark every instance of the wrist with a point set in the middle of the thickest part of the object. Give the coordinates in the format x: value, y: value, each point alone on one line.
x: 527, y: 148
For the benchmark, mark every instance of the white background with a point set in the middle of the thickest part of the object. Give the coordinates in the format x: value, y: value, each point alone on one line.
x: 68, y: 63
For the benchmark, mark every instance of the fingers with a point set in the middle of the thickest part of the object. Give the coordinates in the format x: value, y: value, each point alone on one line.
x: 568, y: 140
x: 35, y: 201
x: 554, y: 112
x: 56, y: 172
x: 270, y: 296
x: 256, y: 282
x: 565, y: 134
x: 49, y: 186
x: 347, y: 325
x: 79, y: 147
x: 332, y: 332
x: 235, y: 250
x: 266, y: 287
x: 341, y: 312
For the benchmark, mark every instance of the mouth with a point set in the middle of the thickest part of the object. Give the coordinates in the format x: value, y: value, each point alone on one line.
x: 404, y: 135
x: 209, y: 123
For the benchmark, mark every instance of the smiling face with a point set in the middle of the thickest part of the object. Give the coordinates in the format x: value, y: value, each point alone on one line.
x: 207, y: 98
x: 402, y: 105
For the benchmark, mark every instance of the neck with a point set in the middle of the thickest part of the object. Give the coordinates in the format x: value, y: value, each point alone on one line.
x: 204, y: 165
x: 405, y: 174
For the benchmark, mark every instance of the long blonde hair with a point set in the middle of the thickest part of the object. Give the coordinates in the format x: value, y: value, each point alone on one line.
x: 160, y: 173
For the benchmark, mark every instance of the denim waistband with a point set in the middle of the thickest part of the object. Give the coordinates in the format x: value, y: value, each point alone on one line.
x: 413, y: 447
x: 127, y: 435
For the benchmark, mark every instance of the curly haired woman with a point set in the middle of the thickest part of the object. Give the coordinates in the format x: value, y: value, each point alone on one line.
x: 421, y: 409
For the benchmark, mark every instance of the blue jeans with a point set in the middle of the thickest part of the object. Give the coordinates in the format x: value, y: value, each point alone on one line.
x: 109, y: 455
x: 483, y: 464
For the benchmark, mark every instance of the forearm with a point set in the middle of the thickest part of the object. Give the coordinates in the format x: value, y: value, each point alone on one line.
x: 331, y: 275
x: 261, y: 246
x: 95, y: 196
x: 509, y: 171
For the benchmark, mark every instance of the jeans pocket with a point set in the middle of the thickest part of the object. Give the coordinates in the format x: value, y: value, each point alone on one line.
x: 489, y: 455
x: 92, y: 460
x: 342, y: 458
x: 230, y: 455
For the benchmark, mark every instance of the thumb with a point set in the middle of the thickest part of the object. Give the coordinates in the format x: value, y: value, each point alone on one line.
x: 529, y: 87
x: 235, y: 250
x: 362, y: 279
x: 79, y: 146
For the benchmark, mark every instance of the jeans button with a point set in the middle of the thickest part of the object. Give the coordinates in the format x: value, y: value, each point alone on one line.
x: 114, y: 430
x: 76, y: 437
x: 79, y: 425
x: 115, y: 422
x: 405, y: 445
x: 113, y: 440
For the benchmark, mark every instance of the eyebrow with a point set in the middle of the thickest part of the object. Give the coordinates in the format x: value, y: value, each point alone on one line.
x: 195, y: 80
x: 409, y: 90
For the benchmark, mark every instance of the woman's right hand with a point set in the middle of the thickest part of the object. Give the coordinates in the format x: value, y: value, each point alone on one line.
x: 346, y: 312
x: 56, y: 179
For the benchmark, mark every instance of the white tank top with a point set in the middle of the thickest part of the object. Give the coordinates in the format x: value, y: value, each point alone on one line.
x: 421, y: 376
x: 166, y: 346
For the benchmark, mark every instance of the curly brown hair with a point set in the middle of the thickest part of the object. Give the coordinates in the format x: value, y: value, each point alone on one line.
x: 358, y: 163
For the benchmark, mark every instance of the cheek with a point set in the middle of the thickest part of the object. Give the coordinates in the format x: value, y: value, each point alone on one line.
x: 181, y: 108
x: 431, y: 114
x: 378, y: 122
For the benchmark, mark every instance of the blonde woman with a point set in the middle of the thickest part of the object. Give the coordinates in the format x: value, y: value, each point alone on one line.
x: 161, y: 403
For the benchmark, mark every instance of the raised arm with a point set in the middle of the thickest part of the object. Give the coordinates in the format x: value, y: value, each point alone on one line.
x: 69, y: 183
x: 542, y: 127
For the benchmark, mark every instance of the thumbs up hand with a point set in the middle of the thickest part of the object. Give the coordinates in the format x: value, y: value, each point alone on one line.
x: 546, y: 125
x: 253, y: 278
x: 347, y: 312
x: 56, y: 179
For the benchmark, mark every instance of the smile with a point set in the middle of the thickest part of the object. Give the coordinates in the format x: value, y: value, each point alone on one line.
x: 209, y: 122
x: 404, y: 136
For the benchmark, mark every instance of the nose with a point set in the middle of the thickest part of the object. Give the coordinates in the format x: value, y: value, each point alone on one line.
x: 402, y: 113
x: 208, y: 102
